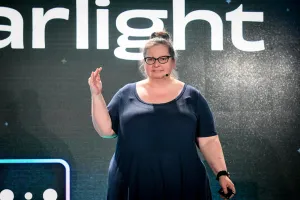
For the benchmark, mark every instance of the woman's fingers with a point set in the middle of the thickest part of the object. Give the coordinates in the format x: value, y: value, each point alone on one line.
x: 90, y: 80
x: 233, y: 191
x: 98, y: 72
x: 95, y: 77
x: 228, y: 190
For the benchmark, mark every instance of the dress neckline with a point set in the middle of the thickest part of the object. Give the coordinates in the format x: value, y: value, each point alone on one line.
x: 157, y: 104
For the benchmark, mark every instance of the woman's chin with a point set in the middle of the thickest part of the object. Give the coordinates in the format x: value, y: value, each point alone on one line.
x: 158, y: 76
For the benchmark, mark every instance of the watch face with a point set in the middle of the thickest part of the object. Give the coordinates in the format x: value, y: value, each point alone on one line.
x: 34, y: 179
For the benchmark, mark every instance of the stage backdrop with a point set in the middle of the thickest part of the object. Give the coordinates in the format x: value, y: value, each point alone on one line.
x: 242, y: 55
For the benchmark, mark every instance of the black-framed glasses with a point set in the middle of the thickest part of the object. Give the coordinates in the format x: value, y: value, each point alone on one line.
x: 161, y: 60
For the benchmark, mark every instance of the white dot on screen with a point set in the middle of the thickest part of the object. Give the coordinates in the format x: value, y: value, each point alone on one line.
x: 6, y: 195
x: 28, y: 196
x: 50, y: 194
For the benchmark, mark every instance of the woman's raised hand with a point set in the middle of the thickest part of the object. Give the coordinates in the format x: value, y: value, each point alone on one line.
x: 95, y: 82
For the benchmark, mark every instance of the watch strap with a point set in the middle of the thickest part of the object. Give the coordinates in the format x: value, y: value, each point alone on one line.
x: 222, y: 173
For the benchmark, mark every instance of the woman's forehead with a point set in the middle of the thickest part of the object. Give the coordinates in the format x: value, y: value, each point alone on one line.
x: 158, y: 50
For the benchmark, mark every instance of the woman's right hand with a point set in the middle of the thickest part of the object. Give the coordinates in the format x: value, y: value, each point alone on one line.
x: 95, y: 82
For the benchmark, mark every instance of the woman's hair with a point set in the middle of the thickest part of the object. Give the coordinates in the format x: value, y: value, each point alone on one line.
x: 157, y: 38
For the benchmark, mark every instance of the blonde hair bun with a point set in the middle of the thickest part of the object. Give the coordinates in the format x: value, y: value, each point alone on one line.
x: 160, y: 34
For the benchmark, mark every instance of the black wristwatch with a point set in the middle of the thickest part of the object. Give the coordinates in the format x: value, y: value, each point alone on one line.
x: 222, y: 173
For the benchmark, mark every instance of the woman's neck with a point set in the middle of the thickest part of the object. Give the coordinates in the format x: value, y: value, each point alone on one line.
x: 159, y: 83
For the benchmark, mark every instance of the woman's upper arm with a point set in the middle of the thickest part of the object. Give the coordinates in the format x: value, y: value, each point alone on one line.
x: 113, y: 108
x: 202, y: 141
x: 205, y: 119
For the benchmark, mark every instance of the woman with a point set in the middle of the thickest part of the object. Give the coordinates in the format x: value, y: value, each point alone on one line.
x: 157, y: 121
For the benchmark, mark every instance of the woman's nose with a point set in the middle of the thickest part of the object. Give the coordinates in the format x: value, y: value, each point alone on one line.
x: 156, y: 64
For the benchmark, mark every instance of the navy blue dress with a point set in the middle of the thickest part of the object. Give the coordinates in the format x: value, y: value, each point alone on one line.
x: 156, y: 155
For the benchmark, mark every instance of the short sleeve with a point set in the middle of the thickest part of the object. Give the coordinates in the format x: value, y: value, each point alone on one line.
x: 205, y: 119
x: 113, y: 110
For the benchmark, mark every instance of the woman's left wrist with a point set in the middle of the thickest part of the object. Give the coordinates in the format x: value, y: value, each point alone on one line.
x: 222, y: 173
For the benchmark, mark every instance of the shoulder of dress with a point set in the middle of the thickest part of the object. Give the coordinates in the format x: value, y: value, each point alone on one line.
x: 192, y: 90
x: 194, y: 94
x: 128, y: 86
x: 126, y: 89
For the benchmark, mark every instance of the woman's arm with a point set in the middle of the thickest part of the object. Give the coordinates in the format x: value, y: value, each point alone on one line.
x: 100, y: 116
x: 212, y: 151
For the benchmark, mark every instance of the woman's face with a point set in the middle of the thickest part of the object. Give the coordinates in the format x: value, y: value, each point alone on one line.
x: 158, y: 70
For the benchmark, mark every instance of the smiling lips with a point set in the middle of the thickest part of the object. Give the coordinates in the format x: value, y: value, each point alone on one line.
x: 157, y: 70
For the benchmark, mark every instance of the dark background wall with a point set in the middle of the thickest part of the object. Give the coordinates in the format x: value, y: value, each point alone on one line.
x: 45, y: 98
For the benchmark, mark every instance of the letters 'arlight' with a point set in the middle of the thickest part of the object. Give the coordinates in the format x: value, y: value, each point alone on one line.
x: 180, y: 20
